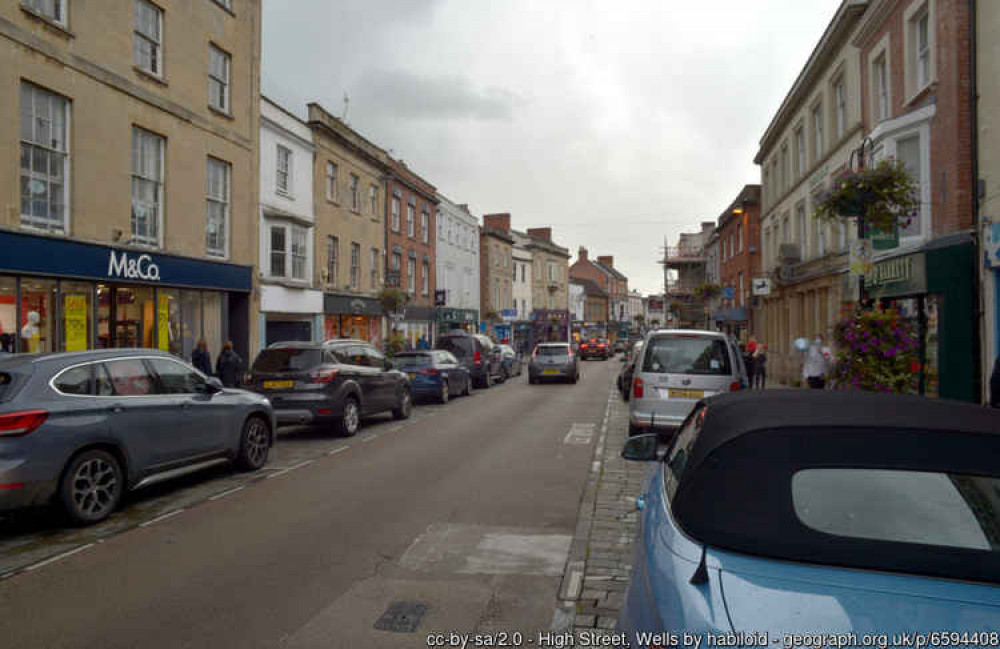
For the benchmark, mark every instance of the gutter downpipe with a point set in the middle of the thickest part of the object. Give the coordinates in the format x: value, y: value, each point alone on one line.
x: 976, y: 214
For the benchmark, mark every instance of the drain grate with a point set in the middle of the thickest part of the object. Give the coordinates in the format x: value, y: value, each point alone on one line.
x: 402, y: 617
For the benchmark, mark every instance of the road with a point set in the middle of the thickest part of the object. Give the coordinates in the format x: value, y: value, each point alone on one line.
x: 460, y: 517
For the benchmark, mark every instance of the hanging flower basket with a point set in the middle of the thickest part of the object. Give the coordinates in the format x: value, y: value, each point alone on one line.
x: 707, y: 291
x: 877, y: 352
x: 884, y: 194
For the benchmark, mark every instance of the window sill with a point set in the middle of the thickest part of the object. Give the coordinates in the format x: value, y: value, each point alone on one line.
x: 333, y: 201
x: 921, y: 94
x: 225, y: 8
x: 150, y: 76
x: 217, y: 256
x: 221, y: 113
x: 59, y: 28
x: 284, y: 194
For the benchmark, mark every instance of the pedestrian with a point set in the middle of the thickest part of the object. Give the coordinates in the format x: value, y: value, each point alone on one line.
x: 815, y: 368
x: 995, y: 385
x: 422, y: 343
x: 760, y: 367
x: 201, y: 359
x: 748, y: 359
x: 229, y: 366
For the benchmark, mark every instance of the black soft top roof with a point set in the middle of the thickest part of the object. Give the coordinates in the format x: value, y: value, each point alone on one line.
x: 735, y: 488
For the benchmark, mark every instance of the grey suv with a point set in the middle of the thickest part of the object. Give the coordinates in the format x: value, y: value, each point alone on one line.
x: 333, y: 383
x: 476, y: 353
x: 82, y: 428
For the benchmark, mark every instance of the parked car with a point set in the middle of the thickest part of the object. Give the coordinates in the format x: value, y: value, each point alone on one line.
x: 434, y: 373
x: 477, y: 353
x: 553, y: 361
x: 510, y: 361
x: 333, y: 383
x: 678, y: 367
x: 621, y: 346
x: 80, y: 429
x: 816, y: 512
x: 595, y: 348
x: 628, y: 369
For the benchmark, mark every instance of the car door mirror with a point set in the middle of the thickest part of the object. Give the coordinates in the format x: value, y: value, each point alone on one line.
x: 642, y: 448
x: 387, y: 364
x: 213, y: 385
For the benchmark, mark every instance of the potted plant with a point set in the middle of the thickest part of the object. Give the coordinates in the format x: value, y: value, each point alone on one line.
x: 877, y: 351
x: 883, y: 195
x: 707, y: 291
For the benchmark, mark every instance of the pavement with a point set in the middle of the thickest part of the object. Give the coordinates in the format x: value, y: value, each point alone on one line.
x: 462, y: 520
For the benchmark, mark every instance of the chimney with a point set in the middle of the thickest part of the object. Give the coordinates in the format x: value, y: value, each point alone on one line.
x: 541, y: 233
x: 606, y: 261
x: 582, y: 253
x: 465, y: 208
x: 497, y: 221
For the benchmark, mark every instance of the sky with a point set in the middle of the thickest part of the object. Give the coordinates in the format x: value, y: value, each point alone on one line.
x: 617, y: 124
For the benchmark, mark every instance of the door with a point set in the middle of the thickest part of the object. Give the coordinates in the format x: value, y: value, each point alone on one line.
x: 386, y: 380
x: 146, y: 423
x: 209, y: 427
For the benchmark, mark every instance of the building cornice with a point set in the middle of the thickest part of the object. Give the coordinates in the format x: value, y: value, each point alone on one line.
x: 874, y: 19
x: 345, y: 136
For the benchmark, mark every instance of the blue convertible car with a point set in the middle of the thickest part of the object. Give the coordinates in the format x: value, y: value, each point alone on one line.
x: 795, y: 515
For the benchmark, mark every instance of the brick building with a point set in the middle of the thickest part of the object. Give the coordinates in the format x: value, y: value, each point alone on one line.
x: 738, y: 233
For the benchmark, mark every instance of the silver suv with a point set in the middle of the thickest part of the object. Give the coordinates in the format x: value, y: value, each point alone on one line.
x: 677, y: 368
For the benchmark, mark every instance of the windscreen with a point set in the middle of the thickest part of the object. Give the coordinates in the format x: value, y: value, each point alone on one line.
x: 553, y: 351
x: 460, y: 346
x: 288, y: 359
x: 686, y: 355
x: 413, y: 360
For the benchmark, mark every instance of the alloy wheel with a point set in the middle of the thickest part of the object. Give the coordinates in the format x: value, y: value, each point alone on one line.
x: 256, y: 443
x: 351, y: 418
x: 95, y: 488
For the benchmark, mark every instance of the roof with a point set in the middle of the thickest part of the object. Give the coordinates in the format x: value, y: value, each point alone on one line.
x: 610, y: 271
x: 590, y: 287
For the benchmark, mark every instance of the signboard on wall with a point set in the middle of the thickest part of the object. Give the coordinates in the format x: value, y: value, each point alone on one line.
x: 760, y: 286
x: 861, y: 257
x: 75, y: 319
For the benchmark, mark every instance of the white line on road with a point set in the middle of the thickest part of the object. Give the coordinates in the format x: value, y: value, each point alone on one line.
x: 162, y: 517
x: 277, y: 473
x: 369, y: 438
x: 339, y: 449
x: 68, y: 553
x: 226, y: 493
x: 300, y: 465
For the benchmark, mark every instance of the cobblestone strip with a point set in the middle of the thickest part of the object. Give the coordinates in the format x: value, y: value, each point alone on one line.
x: 600, y: 559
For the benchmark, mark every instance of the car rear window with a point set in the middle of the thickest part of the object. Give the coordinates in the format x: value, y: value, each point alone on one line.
x: 553, y: 350
x: 9, y: 385
x: 413, y: 360
x: 288, y: 359
x: 460, y: 346
x: 686, y: 355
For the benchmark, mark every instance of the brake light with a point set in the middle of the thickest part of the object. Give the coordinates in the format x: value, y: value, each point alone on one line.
x: 637, y: 388
x: 583, y: 346
x: 478, y: 358
x: 432, y: 372
x: 322, y: 376
x: 18, y: 424
x: 734, y: 386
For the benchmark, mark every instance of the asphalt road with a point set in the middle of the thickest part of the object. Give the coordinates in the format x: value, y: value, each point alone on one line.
x: 461, y: 518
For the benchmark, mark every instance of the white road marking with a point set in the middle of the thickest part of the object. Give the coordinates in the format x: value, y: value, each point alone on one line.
x: 339, y: 449
x: 58, y: 557
x: 300, y: 465
x: 276, y: 474
x: 368, y: 439
x: 226, y: 493
x: 579, y: 434
x: 162, y: 517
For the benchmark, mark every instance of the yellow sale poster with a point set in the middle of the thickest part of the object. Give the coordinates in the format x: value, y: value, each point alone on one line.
x: 75, y: 322
x: 163, y: 323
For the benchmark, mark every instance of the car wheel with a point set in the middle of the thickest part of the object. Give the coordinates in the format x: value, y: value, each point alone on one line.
x: 504, y: 375
x: 91, y: 487
x: 488, y: 380
x: 468, y: 386
x: 350, y: 419
x: 443, y: 397
x: 405, y: 407
x: 532, y: 380
x: 255, y: 444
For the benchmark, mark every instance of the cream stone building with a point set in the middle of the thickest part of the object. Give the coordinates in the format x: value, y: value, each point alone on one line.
x: 988, y: 118
x: 349, y: 188
x: 128, y: 173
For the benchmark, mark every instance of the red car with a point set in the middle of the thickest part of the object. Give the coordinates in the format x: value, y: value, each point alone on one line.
x: 595, y: 347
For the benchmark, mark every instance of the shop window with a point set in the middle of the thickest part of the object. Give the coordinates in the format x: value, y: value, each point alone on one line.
x: 134, y: 317
x: 37, y: 315
x: 77, y: 316
x: 191, y: 329
x: 171, y: 322
x: 44, y: 158
x: 212, y: 323
x: 8, y: 314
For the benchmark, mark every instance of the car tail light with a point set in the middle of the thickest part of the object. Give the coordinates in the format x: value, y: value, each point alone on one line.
x: 638, y: 389
x: 323, y: 411
x: 478, y: 358
x: 583, y: 346
x: 734, y: 386
x: 432, y: 372
x: 322, y: 376
x: 248, y: 379
x: 17, y: 424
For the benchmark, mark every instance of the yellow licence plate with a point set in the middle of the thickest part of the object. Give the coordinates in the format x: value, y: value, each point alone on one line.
x: 412, y: 376
x: 278, y: 385
x: 550, y: 371
x: 686, y: 394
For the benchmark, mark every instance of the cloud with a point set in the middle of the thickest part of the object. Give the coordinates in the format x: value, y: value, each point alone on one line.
x: 407, y: 95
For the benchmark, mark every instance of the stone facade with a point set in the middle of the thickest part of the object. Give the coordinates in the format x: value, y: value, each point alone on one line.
x: 457, y: 255
x: 550, y: 280
x: 496, y: 271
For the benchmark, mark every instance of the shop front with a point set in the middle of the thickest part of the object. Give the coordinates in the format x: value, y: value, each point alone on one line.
x: 290, y: 314
x: 61, y: 295
x: 934, y: 288
x: 351, y: 316
x: 450, y: 319
x: 418, y: 322
x: 550, y: 325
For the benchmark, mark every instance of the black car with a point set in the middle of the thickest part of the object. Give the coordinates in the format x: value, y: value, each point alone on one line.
x: 476, y: 353
x: 594, y: 348
x: 333, y: 383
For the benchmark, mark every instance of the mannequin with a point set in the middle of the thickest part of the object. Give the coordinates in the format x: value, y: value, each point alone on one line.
x: 30, y: 332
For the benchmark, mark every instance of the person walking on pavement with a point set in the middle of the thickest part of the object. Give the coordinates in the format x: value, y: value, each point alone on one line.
x: 228, y: 366
x: 995, y: 385
x: 422, y: 343
x: 760, y: 367
x: 201, y: 359
x: 815, y: 368
x: 749, y: 360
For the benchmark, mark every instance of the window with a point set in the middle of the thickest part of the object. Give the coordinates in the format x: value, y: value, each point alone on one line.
x: 411, y: 271
x: 228, y: 4
x: 332, y: 260
x: 800, y: 153
x: 218, y: 78
x: 881, y: 81
x: 397, y: 263
x: 785, y: 230
x: 217, y: 206
x: 355, y: 265
x: 923, y: 50
x: 44, y: 158
x: 496, y: 255
x: 147, y: 186
x: 289, y: 241
x: 817, y: 120
x: 373, y: 200
x: 55, y: 10
x: 424, y: 225
x: 840, y: 108
x: 355, y: 194
x: 298, y: 253
x: 741, y: 294
x: 278, y: 247
x: 908, y: 152
x: 374, y: 269
x: 496, y: 293
x: 411, y: 211
x: 785, y: 179
x: 148, y: 42
x: 739, y: 238
x: 506, y: 258
x: 425, y: 278
x: 175, y: 378
x: 395, y: 214
x: 800, y: 225
x: 130, y: 378
x: 331, y: 182
x: 695, y: 355
x: 284, y: 170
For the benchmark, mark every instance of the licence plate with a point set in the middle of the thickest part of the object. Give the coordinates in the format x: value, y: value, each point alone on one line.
x: 550, y: 371
x: 278, y: 385
x: 686, y: 394
x: 412, y: 375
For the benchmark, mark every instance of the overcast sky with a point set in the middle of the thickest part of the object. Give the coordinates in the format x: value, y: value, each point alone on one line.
x: 617, y: 124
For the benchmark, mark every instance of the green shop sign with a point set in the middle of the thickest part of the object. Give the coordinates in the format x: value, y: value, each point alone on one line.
x: 885, y: 240
x: 898, y: 276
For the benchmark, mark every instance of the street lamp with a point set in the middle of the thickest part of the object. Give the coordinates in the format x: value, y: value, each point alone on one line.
x: 869, y: 145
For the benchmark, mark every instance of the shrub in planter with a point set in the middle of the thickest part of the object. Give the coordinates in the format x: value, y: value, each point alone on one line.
x: 877, y: 352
